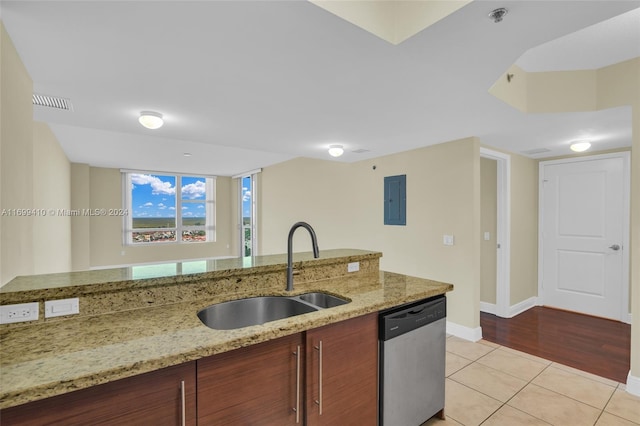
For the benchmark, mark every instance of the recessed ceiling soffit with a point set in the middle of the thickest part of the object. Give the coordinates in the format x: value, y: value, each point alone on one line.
x: 392, y: 20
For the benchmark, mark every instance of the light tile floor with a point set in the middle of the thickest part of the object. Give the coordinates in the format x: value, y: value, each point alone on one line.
x: 492, y: 385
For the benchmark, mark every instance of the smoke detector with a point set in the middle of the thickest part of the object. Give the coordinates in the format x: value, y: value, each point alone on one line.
x: 498, y: 14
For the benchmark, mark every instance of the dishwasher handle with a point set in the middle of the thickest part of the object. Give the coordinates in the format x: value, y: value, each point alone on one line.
x: 419, y: 311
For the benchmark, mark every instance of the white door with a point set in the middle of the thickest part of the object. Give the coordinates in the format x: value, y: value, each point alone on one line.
x: 583, y: 214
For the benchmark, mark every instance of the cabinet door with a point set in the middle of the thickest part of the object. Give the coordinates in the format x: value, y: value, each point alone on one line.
x: 256, y: 385
x: 148, y: 399
x: 342, y: 373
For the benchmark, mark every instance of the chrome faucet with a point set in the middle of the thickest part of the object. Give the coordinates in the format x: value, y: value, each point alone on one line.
x: 314, y: 243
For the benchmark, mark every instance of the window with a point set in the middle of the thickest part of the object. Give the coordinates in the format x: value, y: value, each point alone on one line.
x: 160, y: 214
x: 248, y: 213
x: 248, y: 222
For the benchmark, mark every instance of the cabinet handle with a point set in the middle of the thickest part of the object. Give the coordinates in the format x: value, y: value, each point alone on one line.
x: 183, y: 404
x: 319, y: 400
x: 297, y: 407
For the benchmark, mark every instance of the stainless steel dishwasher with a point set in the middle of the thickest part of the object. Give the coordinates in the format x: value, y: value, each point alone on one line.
x: 412, y: 362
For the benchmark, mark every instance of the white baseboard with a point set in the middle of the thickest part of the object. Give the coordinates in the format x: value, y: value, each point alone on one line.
x: 489, y: 308
x: 520, y: 307
x: 633, y: 385
x: 513, y: 310
x: 466, y: 333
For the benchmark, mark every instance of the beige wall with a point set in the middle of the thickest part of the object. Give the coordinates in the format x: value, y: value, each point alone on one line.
x: 344, y: 204
x: 561, y: 91
x: 312, y: 191
x: 105, y: 233
x: 524, y: 229
x: 488, y: 223
x: 80, y: 225
x: 34, y: 174
x: 51, y: 190
x: 16, y: 157
x: 523, y: 266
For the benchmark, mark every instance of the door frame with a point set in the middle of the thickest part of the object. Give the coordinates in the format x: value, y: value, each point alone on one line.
x: 624, y: 314
x: 503, y: 235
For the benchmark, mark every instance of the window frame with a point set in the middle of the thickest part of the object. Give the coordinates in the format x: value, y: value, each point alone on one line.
x: 209, y: 202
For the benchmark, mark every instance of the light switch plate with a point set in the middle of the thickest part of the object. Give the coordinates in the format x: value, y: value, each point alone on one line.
x: 447, y: 240
x: 60, y: 307
x: 353, y: 267
x: 20, y: 312
x: 487, y: 236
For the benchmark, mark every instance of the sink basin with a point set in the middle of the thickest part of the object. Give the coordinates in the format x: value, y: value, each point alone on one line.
x: 323, y: 300
x: 252, y: 311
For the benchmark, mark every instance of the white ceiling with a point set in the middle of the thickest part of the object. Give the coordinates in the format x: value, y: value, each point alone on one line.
x: 247, y: 84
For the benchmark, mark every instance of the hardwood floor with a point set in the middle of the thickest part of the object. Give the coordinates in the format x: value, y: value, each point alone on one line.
x: 596, y: 345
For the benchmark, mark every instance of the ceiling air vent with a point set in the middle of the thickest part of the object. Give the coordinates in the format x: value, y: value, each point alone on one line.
x: 536, y: 151
x: 52, y: 102
x: 360, y: 151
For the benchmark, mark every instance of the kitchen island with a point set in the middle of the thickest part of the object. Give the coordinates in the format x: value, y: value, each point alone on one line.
x: 129, y: 326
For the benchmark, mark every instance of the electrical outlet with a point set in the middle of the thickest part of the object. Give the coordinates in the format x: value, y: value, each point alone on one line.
x: 20, y: 312
x: 353, y: 267
x: 447, y: 240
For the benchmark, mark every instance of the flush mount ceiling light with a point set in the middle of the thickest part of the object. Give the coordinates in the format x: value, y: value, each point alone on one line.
x: 580, y: 146
x: 498, y: 14
x: 336, y: 150
x: 151, y: 120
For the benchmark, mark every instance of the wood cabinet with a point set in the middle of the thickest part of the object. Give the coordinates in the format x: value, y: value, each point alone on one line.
x: 161, y: 397
x: 342, y: 373
x: 325, y: 376
x: 265, y: 383
x: 259, y: 384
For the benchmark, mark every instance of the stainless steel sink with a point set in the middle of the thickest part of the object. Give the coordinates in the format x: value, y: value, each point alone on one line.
x: 252, y: 311
x: 323, y: 300
x: 258, y: 310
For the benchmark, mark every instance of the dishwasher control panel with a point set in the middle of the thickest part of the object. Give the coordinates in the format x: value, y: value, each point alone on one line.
x: 405, y: 318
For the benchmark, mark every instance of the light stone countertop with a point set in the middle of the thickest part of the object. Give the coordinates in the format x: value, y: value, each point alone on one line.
x: 72, y: 284
x: 53, y: 358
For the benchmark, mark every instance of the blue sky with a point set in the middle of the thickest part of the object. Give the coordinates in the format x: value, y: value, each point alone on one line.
x: 246, y: 196
x: 155, y: 196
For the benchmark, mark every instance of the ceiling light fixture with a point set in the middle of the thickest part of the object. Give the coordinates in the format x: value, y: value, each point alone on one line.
x: 580, y: 146
x: 336, y: 150
x: 151, y: 120
x: 498, y: 14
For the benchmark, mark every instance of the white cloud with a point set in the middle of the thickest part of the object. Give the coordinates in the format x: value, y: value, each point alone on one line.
x: 149, y: 204
x: 185, y: 208
x: 172, y: 208
x: 246, y: 196
x: 194, y: 190
x: 200, y: 206
x: 157, y: 185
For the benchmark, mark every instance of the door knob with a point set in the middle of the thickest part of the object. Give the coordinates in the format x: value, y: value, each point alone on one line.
x: 615, y: 247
